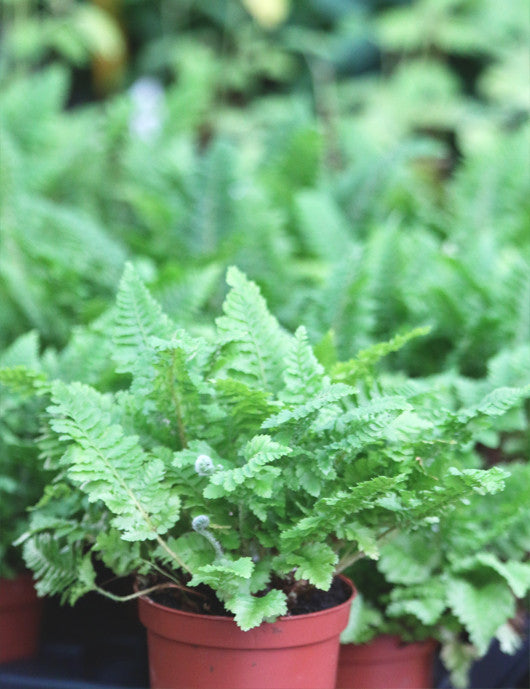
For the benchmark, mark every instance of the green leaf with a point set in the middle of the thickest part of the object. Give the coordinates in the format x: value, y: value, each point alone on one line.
x: 247, y: 407
x: 138, y: 318
x: 56, y: 567
x: 409, y: 558
x: 319, y: 401
x: 110, y: 466
x: 255, y: 341
x: 326, y: 231
x: 330, y: 513
x: 458, y: 657
x: 426, y: 601
x: 225, y: 576
x: 122, y: 557
x: 258, y: 453
x: 496, y: 402
x: 482, y: 609
x: 364, y: 622
x: 516, y: 574
x: 178, y: 384
x: 192, y: 548
x: 22, y: 380
x: 479, y: 480
x: 250, y: 611
x: 303, y: 375
x: 364, y: 536
x: 24, y: 351
x: 326, y: 351
x: 362, y: 365
x: 314, y: 562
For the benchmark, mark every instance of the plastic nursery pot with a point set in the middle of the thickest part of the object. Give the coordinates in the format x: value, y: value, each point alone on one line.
x: 386, y: 663
x: 20, y: 614
x: 191, y: 651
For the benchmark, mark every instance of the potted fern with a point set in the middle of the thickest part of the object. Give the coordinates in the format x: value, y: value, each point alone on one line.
x: 21, y: 482
x: 457, y: 585
x: 23, y: 474
x: 234, y: 481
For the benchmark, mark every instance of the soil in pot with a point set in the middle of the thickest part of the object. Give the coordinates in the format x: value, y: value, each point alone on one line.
x: 188, y: 650
x: 20, y: 614
x: 386, y: 663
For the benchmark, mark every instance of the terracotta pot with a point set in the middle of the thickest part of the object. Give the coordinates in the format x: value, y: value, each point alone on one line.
x: 386, y: 663
x: 20, y: 613
x: 189, y: 651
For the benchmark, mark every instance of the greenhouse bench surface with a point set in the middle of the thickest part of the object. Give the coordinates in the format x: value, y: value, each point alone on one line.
x: 121, y: 662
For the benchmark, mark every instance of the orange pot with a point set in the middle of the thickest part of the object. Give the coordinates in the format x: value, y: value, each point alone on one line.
x: 190, y: 651
x: 386, y: 663
x: 20, y: 613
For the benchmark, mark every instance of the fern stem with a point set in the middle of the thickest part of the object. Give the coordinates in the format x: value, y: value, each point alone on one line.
x: 241, y: 525
x: 350, y: 559
x: 172, y: 554
x: 144, y: 592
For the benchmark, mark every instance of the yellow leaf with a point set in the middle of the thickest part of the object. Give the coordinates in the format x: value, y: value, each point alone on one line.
x: 268, y: 13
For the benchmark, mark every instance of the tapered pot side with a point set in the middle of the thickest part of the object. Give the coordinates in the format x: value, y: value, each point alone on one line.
x: 20, y: 615
x: 190, y: 651
x: 386, y: 663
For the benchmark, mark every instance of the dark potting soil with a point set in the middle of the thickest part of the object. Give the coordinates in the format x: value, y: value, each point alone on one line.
x: 308, y: 599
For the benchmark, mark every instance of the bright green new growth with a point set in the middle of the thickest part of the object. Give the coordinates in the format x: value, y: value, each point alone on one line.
x: 228, y: 461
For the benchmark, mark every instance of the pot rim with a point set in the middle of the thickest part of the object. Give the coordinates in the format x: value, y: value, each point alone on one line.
x: 282, y: 618
x: 388, y: 648
x: 223, y: 632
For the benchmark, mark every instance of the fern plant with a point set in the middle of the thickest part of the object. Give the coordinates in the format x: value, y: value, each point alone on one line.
x: 462, y: 581
x: 235, y: 462
x: 23, y: 370
x: 459, y: 584
x: 21, y: 477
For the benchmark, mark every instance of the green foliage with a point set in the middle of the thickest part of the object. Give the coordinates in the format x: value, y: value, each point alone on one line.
x: 363, y: 207
x: 21, y: 477
x: 465, y: 574
x: 159, y: 463
x: 27, y: 449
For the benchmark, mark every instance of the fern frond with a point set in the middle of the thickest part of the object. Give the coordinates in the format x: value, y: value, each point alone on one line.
x: 22, y: 380
x: 256, y: 343
x: 331, y: 513
x: 296, y: 413
x: 179, y: 386
x: 110, y: 466
x: 24, y: 351
x: 59, y: 569
x: 362, y: 365
x: 256, y: 473
x: 212, y: 205
x: 247, y: 407
x: 303, y: 375
x: 138, y: 318
x: 496, y: 403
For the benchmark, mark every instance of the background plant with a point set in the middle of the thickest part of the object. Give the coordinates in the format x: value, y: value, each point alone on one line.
x: 471, y: 581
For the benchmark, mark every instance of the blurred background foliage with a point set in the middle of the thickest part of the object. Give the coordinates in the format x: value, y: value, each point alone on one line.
x: 366, y: 158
